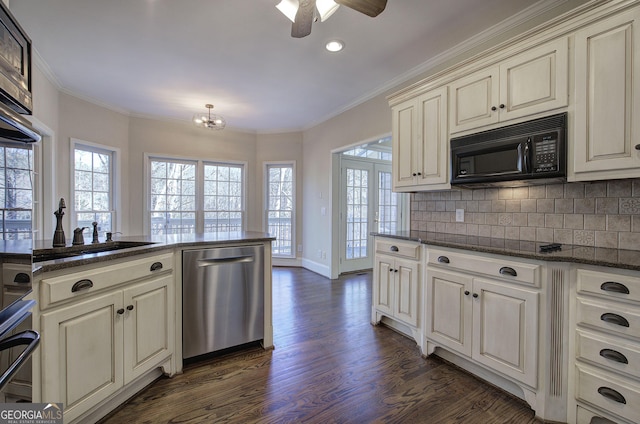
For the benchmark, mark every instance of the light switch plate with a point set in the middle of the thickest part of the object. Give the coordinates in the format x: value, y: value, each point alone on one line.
x: 459, y: 215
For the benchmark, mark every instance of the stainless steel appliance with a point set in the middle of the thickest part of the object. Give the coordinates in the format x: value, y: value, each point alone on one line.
x: 15, y: 64
x: 532, y: 152
x: 222, y: 298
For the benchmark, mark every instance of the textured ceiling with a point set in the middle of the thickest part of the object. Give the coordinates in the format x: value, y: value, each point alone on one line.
x: 167, y: 58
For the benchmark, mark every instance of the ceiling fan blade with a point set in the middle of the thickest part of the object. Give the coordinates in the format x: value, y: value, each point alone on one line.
x: 369, y: 7
x: 304, y: 18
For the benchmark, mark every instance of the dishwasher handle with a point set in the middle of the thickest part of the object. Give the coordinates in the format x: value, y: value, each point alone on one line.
x: 223, y: 261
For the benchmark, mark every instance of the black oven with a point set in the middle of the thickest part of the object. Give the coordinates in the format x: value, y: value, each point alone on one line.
x: 524, y: 153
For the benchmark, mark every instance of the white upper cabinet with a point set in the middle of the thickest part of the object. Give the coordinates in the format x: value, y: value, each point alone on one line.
x: 606, y: 134
x: 420, y: 142
x: 531, y: 82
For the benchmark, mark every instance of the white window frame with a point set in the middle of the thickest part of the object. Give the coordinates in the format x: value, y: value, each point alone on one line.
x: 34, y: 186
x: 265, y: 202
x: 200, y: 163
x: 114, y: 182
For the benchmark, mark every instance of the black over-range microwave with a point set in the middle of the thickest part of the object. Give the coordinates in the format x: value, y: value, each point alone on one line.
x: 532, y: 152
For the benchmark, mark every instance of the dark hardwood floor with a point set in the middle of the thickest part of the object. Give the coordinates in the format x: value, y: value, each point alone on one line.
x: 330, y: 365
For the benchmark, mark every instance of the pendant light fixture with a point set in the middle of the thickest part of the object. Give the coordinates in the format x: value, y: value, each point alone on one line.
x: 212, y: 122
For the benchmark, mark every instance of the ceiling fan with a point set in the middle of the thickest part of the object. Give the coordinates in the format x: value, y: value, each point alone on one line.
x: 303, y: 12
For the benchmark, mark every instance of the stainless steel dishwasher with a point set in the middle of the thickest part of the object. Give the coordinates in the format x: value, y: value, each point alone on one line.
x: 222, y: 298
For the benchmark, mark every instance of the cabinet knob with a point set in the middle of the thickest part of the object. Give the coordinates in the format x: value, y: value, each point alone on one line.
x: 415, y: 175
x: 419, y: 173
x: 120, y: 311
x: 502, y: 106
x: 466, y: 292
x: 395, y: 270
x: 130, y: 308
x: 390, y: 269
x: 615, y: 287
x: 475, y: 295
x: 612, y: 394
x: 493, y: 108
x: 614, y: 355
x: 614, y: 319
x: 637, y: 146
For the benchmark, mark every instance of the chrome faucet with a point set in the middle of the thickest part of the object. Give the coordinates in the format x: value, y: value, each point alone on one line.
x: 58, y: 236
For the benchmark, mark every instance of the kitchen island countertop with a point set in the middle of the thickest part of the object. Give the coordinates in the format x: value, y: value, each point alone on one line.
x: 599, y: 256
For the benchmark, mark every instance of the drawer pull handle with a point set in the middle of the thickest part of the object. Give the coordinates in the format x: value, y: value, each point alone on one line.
x: 615, y: 287
x: 507, y: 270
x: 443, y: 259
x: 614, y: 355
x: 156, y: 266
x: 614, y: 319
x: 82, y: 285
x: 394, y: 248
x: 22, y: 278
x: 611, y: 394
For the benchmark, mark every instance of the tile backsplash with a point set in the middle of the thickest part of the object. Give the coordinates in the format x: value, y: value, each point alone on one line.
x: 601, y: 214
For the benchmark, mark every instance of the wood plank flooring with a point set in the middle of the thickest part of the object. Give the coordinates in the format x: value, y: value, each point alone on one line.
x: 330, y: 365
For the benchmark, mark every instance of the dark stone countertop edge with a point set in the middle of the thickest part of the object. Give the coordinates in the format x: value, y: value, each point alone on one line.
x: 598, y: 256
x: 159, y: 243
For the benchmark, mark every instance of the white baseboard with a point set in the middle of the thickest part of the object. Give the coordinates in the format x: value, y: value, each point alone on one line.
x: 321, y: 269
x: 295, y: 262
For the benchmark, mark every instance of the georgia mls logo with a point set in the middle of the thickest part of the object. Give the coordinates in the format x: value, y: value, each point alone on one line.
x: 31, y: 413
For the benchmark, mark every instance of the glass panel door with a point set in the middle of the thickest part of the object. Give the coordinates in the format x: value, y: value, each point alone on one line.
x: 356, y: 215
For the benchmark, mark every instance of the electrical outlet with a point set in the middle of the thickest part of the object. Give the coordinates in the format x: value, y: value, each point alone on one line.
x: 319, y: 254
x: 459, y: 215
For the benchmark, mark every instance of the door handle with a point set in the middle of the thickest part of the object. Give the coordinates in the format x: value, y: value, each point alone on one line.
x: 31, y: 339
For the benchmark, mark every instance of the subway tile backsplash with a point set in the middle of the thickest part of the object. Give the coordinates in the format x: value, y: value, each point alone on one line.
x: 601, y: 214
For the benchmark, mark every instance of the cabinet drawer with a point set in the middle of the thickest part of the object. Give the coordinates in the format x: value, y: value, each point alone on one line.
x: 585, y: 415
x: 398, y: 248
x: 63, y: 287
x: 620, y: 397
x: 610, y: 285
x: 610, y: 317
x: 609, y: 352
x: 504, y: 268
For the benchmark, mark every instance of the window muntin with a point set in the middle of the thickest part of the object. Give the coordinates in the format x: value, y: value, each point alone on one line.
x: 280, y: 208
x: 173, y: 197
x: 93, y: 187
x: 191, y: 196
x: 16, y: 191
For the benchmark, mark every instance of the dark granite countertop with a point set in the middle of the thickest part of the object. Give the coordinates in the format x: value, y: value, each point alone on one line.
x: 24, y: 249
x: 618, y: 258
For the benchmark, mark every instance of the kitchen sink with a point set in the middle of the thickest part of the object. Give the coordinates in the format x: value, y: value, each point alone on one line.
x: 41, y: 255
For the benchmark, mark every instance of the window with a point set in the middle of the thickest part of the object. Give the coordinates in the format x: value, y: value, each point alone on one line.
x: 93, y: 198
x: 16, y: 192
x: 178, y: 187
x: 280, y: 203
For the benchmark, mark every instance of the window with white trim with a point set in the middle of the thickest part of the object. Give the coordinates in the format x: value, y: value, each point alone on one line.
x: 93, y: 196
x: 191, y: 196
x: 280, y: 204
x: 16, y: 192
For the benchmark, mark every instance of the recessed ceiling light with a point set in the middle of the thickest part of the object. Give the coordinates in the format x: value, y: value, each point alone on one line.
x: 335, y: 45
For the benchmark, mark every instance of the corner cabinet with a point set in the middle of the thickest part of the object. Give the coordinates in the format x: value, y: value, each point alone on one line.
x: 532, y: 82
x: 420, y: 142
x: 396, y: 283
x: 606, y: 131
x: 103, y: 328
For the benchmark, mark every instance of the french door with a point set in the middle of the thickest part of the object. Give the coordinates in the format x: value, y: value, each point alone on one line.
x: 367, y: 204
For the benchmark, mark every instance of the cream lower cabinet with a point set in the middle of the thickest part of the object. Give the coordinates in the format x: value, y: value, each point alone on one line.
x: 93, y: 344
x: 606, y: 347
x: 493, y: 323
x: 396, y: 283
x: 606, y: 131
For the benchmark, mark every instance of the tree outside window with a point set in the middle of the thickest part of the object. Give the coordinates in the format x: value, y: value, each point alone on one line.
x: 16, y: 191
x: 93, y: 193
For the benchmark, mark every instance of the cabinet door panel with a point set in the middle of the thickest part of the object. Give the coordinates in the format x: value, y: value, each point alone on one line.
x: 383, y: 285
x: 448, y: 318
x: 404, y: 143
x: 535, y: 81
x: 505, y: 329
x: 406, y: 291
x: 434, y: 147
x: 148, y: 328
x: 472, y: 98
x: 607, y: 84
x: 82, y: 353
